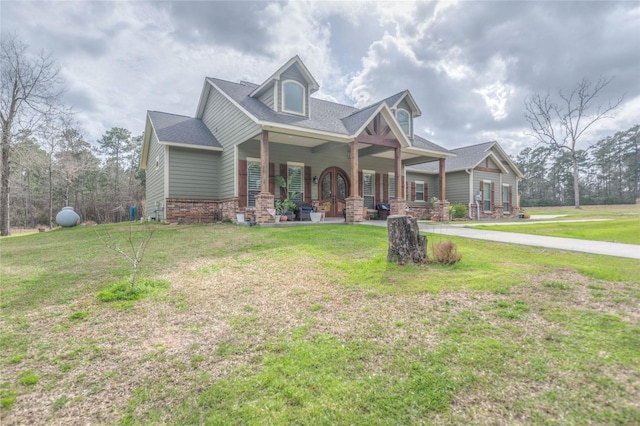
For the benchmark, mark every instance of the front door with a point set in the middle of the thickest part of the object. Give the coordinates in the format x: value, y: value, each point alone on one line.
x: 334, y: 190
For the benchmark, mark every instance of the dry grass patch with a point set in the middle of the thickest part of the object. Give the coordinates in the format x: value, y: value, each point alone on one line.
x: 259, y: 334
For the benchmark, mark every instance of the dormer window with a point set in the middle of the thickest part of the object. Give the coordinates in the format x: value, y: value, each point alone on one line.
x: 404, y: 121
x: 293, y: 97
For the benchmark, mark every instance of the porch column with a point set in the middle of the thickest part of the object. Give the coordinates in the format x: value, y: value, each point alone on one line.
x: 264, y: 162
x: 264, y: 200
x: 354, y: 168
x: 441, y: 207
x: 443, y: 185
x: 354, y: 201
x: 398, y: 204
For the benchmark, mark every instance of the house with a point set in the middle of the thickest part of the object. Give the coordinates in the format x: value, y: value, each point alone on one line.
x: 481, y: 176
x: 224, y: 160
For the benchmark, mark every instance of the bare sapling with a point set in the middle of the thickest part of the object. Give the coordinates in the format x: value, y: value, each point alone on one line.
x: 132, y: 249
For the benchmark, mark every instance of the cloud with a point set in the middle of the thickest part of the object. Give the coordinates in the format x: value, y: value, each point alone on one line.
x: 469, y: 65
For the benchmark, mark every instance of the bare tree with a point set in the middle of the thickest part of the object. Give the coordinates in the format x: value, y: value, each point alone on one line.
x: 561, y: 124
x: 70, y: 158
x: 132, y: 249
x: 29, y: 89
x: 50, y: 134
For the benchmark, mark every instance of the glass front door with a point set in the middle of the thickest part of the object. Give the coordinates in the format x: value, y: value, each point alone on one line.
x: 333, y: 191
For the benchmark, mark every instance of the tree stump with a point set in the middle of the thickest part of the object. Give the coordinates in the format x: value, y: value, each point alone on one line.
x: 405, y: 242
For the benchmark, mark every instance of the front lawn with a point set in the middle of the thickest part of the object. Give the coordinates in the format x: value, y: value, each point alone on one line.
x: 311, y: 325
x: 616, y: 231
x: 619, y: 211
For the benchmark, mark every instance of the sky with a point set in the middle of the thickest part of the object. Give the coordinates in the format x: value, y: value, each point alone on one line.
x: 469, y: 65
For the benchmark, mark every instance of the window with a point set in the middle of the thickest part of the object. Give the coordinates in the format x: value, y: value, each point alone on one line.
x: 295, y: 181
x: 419, y: 191
x: 392, y: 186
x: 505, y: 198
x: 403, y: 119
x: 368, y: 188
x: 293, y: 97
x: 253, y: 181
x: 486, y: 196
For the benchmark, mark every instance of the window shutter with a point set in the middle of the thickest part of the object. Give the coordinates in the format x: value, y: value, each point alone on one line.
x: 510, y: 199
x: 385, y: 188
x: 378, y: 198
x: 402, y: 188
x: 361, y: 183
x: 272, y: 174
x: 492, y: 197
x: 283, y: 173
x: 426, y: 189
x: 307, y: 184
x: 242, y: 183
x: 413, y: 191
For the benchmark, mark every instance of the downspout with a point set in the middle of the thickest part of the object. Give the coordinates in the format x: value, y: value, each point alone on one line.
x: 470, y: 173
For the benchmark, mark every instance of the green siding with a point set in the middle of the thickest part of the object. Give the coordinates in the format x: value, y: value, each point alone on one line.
x: 267, y: 98
x: 231, y: 127
x: 193, y: 173
x: 432, y: 182
x: 457, y: 187
x: 479, y: 176
x: 154, y: 176
x: 404, y: 105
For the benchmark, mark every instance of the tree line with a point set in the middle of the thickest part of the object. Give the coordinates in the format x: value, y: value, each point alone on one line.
x: 58, y: 167
x: 608, y: 172
x: 46, y: 162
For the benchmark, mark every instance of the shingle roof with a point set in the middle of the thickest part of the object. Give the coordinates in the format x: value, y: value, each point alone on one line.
x: 420, y: 142
x: 325, y: 116
x: 181, y: 129
x: 466, y: 158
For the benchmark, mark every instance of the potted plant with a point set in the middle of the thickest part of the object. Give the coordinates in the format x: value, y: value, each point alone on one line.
x: 283, y: 207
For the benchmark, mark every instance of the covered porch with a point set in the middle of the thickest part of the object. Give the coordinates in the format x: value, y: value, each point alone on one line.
x: 345, y: 178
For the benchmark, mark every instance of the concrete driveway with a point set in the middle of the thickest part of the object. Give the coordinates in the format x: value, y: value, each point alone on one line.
x: 630, y: 251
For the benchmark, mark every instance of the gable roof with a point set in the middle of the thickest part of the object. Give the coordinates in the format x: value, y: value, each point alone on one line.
x: 470, y: 157
x: 295, y: 61
x: 330, y: 117
x: 178, y: 130
x: 325, y: 116
x: 393, y: 103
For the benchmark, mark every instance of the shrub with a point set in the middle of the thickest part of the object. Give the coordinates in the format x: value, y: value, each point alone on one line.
x: 459, y: 211
x: 122, y: 290
x: 445, y: 252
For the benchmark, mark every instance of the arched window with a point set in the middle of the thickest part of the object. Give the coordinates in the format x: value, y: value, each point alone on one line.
x: 403, y: 119
x: 293, y: 97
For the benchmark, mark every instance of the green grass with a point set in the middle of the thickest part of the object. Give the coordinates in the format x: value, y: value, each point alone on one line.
x: 125, y: 290
x: 311, y: 325
x: 326, y: 381
x: 617, y: 231
x: 620, y: 211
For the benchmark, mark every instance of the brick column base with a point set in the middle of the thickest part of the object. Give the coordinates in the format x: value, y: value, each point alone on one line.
x: 264, y: 201
x: 398, y: 206
x: 441, y: 208
x: 354, y: 209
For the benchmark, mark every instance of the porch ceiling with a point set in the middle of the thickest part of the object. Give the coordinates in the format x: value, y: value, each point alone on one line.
x: 320, y: 145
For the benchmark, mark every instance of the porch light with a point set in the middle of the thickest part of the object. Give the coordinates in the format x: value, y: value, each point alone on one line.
x: 315, y: 180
